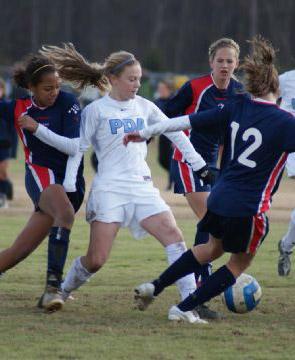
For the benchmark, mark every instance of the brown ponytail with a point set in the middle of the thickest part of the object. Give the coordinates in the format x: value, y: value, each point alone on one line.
x: 260, y: 73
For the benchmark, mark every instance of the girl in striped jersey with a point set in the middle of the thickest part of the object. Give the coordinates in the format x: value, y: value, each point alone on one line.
x: 48, y: 125
x: 257, y: 137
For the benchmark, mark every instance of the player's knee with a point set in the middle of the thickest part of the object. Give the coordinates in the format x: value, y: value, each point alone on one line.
x: 171, y: 231
x: 65, y: 216
x: 96, y: 262
x: 213, y: 249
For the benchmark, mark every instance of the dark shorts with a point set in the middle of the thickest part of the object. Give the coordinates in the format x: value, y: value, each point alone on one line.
x: 185, y: 180
x: 38, y: 178
x: 4, y: 154
x: 238, y: 234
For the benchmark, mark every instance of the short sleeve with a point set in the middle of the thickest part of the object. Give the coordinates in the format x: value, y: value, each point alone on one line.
x: 177, y: 104
x: 72, y: 117
x: 155, y: 114
x: 89, y: 121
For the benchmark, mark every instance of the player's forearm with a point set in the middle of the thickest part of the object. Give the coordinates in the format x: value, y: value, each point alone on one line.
x: 62, y: 143
x: 168, y: 125
x: 72, y: 168
x: 186, y: 148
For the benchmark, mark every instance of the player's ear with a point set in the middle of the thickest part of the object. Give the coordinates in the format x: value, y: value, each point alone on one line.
x: 112, y: 79
x: 211, y: 62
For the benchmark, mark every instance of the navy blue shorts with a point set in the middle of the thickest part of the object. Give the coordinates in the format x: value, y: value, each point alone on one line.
x: 238, y: 234
x: 185, y: 180
x: 38, y: 178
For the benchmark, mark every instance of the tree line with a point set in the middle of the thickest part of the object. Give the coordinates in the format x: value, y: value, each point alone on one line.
x: 165, y: 35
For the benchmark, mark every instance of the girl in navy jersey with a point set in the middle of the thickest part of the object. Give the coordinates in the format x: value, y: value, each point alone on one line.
x: 6, y: 186
x: 199, y: 94
x: 257, y: 137
x: 122, y: 193
x: 48, y: 125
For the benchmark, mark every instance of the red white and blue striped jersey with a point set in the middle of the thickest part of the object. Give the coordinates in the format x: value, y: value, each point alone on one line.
x: 201, y: 94
x: 63, y: 118
x: 257, y: 137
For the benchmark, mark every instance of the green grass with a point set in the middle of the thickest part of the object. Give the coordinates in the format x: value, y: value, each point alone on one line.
x: 101, y: 323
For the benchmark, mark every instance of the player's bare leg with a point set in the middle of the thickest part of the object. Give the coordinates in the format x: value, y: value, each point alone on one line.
x: 27, y: 241
x: 102, y: 236
x: 163, y: 227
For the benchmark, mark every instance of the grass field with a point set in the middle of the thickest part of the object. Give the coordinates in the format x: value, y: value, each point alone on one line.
x: 101, y: 322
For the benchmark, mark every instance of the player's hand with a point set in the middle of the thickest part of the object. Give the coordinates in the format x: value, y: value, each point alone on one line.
x: 28, y: 123
x: 206, y: 175
x: 132, y: 137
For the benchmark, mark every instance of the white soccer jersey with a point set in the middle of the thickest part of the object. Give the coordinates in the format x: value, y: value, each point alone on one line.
x: 104, y: 124
x: 287, y: 87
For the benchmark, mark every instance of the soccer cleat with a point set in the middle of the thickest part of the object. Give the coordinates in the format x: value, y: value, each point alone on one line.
x: 144, y: 296
x: 66, y: 295
x: 206, y: 313
x: 51, y: 300
x: 175, y: 314
x: 284, y: 262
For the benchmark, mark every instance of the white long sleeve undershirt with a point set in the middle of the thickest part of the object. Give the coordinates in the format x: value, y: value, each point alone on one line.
x: 167, y: 125
x: 186, y: 148
x: 171, y: 129
x: 62, y: 143
x: 72, y: 168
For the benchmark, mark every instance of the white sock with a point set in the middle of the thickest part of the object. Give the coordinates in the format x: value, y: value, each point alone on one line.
x: 288, y: 241
x: 76, y: 276
x: 187, y: 284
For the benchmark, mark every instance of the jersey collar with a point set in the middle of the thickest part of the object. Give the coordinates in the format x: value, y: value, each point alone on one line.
x: 264, y: 101
x: 35, y: 105
x: 123, y: 105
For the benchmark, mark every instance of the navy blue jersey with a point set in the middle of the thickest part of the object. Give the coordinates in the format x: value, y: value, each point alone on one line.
x: 63, y: 118
x: 201, y: 94
x: 257, y: 137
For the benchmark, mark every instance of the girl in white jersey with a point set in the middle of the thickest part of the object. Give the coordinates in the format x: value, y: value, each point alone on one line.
x: 122, y: 193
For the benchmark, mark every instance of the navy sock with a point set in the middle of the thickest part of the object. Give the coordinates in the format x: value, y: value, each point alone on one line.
x: 205, y: 270
x: 57, y: 253
x: 6, y: 188
x: 213, y: 286
x: 183, y: 266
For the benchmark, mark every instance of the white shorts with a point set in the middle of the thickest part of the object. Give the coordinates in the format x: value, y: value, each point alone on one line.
x: 127, y: 206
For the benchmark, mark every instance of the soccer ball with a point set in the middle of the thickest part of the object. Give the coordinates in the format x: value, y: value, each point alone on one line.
x: 243, y: 296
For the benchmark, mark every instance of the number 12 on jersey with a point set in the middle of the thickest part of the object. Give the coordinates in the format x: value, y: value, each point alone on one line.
x: 244, y: 156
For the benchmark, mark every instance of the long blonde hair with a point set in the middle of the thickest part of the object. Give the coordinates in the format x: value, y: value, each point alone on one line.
x: 72, y: 66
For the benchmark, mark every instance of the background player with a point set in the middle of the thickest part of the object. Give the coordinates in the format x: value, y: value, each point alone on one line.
x: 6, y: 187
x: 122, y: 193
x: 237, y: 204
x: 286, y: 245
x: 199, y: 94
x: 48, y: 125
